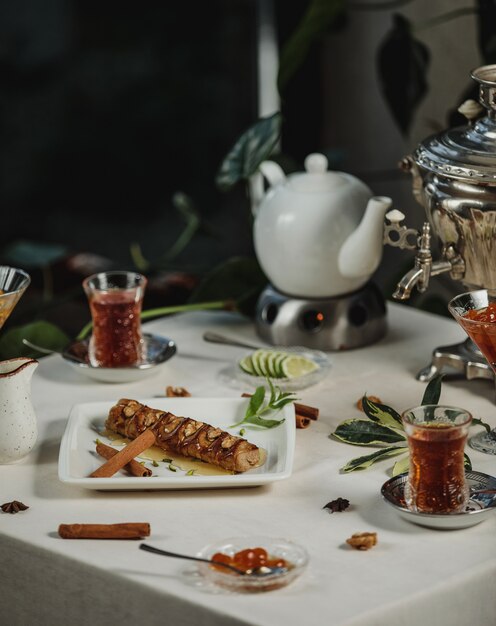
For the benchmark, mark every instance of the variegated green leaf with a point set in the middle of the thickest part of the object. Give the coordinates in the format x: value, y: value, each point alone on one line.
x: 478, y: 422
x: 401, y: 466
x: 381, y: 413
x: 363, y: 462
x: 467, y: 462
x: 254, y: 146
x: 432, y: 392
x: 366, y: 433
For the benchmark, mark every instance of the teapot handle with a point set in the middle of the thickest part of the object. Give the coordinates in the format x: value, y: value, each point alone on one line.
x: 272, y: 173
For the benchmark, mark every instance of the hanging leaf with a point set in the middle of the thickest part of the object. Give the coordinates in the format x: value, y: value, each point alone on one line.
x: 402, y: 64
x: 486, y: 31
x: 432, y: 392
x: 40, y: 333
x: 366, y: 433
x: 381, y: 413
x: 318, y: 19
x: 363, y: 462
x: 253, y: 147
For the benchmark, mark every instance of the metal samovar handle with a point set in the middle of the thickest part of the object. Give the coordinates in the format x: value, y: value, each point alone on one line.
x: 398, y: 236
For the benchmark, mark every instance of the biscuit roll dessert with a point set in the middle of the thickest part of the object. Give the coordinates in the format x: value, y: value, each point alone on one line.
x: 185, y: 436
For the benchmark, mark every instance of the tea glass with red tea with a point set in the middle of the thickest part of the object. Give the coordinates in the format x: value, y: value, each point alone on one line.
x: 436, y: 439
x: 116, y: 300
x: 475, y: 311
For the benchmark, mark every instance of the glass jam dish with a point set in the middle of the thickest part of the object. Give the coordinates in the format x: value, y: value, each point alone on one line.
x: 295, y: 559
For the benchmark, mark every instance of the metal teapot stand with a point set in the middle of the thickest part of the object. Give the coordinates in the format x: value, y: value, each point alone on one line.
x: 463, y: 358
x: 342, y: 322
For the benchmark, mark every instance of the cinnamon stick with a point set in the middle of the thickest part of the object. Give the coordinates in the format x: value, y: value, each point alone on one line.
x: 311, y: 412
x: 304, y: 414
x: 132, y: 530
x: 133, y: 467
x: 124, y: 456
x: 302, y: 421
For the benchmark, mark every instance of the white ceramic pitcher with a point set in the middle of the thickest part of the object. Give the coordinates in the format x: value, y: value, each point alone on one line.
x: 18, y: 428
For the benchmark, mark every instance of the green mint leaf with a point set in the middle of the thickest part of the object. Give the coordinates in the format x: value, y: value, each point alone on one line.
x: 256, y: 401
x: 256, y: 420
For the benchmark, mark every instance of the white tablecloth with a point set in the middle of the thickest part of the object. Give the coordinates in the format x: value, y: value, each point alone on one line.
x: 414, y: 575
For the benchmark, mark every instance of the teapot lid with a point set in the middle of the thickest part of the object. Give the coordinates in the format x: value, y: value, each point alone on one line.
x: 467, y: 152
x: 317, y: 178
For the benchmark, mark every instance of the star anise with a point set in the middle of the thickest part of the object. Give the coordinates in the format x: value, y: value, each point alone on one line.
x: 338, y: 505
x: 13, y: 507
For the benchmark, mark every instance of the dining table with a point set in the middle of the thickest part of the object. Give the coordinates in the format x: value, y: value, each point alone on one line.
x: 413, y: 575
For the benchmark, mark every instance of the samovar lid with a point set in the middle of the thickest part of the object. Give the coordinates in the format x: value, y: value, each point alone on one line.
x: 466, y: 152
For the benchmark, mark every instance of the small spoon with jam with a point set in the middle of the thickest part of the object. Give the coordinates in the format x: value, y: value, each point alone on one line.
x: 257, y: 570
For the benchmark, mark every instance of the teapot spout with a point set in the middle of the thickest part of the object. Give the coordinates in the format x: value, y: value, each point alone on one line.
x: 361, y: 253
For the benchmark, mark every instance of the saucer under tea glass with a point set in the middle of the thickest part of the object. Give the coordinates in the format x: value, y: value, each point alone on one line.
x: 475, y: 311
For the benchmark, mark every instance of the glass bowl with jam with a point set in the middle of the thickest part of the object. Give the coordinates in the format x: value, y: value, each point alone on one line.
x: 267, y: 563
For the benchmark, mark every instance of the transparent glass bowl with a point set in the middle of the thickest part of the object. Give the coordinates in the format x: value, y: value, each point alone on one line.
x: 294, y: 554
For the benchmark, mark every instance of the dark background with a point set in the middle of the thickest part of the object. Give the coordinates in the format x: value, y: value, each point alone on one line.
x: 108, y: 108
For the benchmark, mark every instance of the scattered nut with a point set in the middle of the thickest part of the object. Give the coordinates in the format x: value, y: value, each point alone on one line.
x: 362, y: 541
x: 373, y: 399
x: 177, y: 392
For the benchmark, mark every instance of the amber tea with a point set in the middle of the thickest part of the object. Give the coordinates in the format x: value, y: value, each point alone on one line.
x: 115, y: 300
x: 436, y: 439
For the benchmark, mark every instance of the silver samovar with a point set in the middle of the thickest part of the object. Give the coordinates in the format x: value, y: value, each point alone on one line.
x: 454, y: 179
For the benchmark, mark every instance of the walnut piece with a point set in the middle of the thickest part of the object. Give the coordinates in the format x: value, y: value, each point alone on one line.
x: 13, y: 507
x: 373, y: 399
x: 177, y: 392
x: 362, y: 541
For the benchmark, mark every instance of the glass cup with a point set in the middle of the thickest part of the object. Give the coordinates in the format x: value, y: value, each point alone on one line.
x: 475, y: 311
x: 436, y: 440
x: 13, y: 283
x: 115, y: 300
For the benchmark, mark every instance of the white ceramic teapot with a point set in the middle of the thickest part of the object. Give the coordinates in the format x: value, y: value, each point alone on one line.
x: 318, y: 233
x: 18, y: 427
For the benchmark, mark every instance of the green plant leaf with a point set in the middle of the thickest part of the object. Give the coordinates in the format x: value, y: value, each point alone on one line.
x: 363, y: 462
x: 478, y: 422
x: 467, y: 463
x: 486, y: 18
x: 318, y: 19
x: 402, y: 64
x: 366, y: 433
x: 253, y: 147
x: 432, y: 392
x: 32, y: 254
x: 401, y: 466
x: 41, y: 333
x: 239, y: 279
x: 256, y: 401
x: 381, y: 413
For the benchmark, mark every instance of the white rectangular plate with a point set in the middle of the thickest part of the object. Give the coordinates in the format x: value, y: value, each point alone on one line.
x: 77, y: 458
